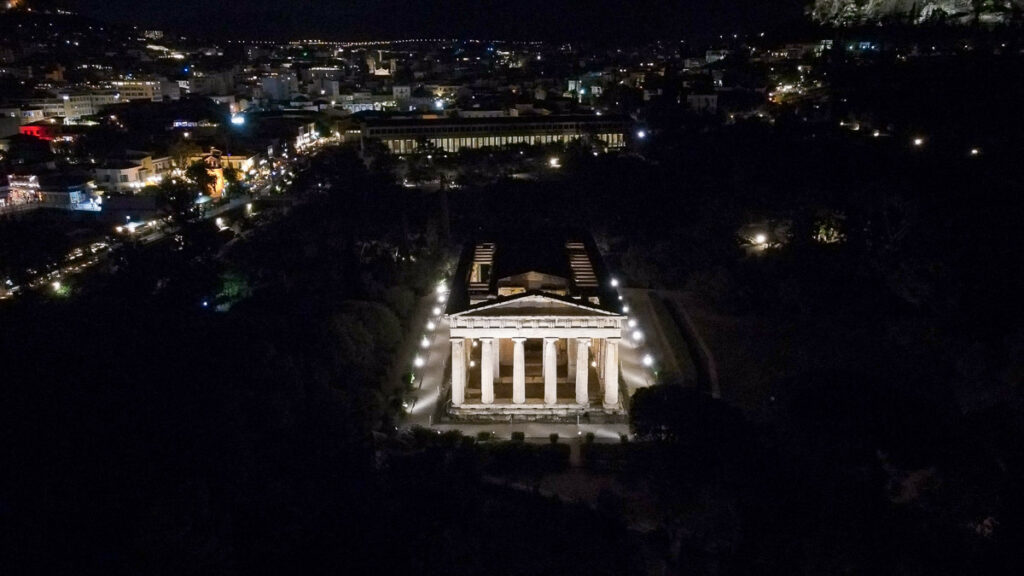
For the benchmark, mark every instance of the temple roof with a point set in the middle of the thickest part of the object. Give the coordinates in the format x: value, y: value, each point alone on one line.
x: 533, y: 254
x: 534, y: 303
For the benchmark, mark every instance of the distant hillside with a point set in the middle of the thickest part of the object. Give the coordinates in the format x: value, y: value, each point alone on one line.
x: 851, y: 12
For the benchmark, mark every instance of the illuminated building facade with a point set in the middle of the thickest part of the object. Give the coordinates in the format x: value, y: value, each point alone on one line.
x: 216, y: 161
x: 404, y: 135
x: 215, y: 168
x: 533, y: 332
x: 65, y: 192
x: 21, y: 191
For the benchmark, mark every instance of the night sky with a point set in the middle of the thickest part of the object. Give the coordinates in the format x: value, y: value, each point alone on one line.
x: 511, y: 19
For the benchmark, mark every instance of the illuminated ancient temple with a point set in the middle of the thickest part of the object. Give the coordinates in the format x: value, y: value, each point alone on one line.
x: 534, y: 330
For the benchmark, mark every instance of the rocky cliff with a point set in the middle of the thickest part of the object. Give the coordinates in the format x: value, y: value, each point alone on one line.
x: 847, y: 12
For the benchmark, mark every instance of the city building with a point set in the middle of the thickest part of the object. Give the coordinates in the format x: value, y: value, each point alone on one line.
x: 534, y: 330
x: 217, y: 161
x: 118, y: 175
x: 405, y: 135
x: 279, y: 86
x: 133, y: 172
x: 703, y: 103
x: 139, y: 89
x: 20, y: 192
x: 12, y: 118
x: 53, y: 190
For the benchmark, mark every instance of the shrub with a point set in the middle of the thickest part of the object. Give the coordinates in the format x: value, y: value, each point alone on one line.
x: 484, y: 436
x: 590, y: 437
x: 519, y: 437
x: 554, y: 438
x: 624, y: 438
x: 451, y: 438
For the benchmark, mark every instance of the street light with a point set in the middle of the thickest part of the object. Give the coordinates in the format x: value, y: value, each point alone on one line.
x: 919, y: 141
x: 648, y: 360
x: 425, y: 342
x: 760, y: 239
x: 638, y: 335
x: 418, y: 362
x: 641, y: 134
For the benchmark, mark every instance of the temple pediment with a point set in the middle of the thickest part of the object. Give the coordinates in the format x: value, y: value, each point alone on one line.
x: 533, y: 305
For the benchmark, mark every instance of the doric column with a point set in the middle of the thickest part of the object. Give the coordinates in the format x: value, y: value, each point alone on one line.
x: 582, y: 354
x: 570, y: 353
x: 486, y: 370
x: 519, y: 371
x: 611, y: 372
x: 550, y: 371
x: 458, y: 371
x: 497, y: 359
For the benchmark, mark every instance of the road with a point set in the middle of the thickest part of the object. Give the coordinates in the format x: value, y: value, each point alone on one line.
x: 91, y: 256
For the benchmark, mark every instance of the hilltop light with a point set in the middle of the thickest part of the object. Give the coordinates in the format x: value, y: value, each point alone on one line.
x: 975, y: 151
x: 641, y: 134
x: 918, y: 141
x: 615, y: 282
x: 761, y: 239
